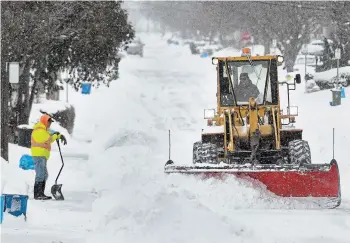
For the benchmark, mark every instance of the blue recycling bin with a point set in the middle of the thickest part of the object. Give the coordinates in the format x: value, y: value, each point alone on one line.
x: 26, y: 162
x: 342, y: 92
x: 86, y: 88
x: 16, y: 205
x: 2, y: 204
x: 204, y: 54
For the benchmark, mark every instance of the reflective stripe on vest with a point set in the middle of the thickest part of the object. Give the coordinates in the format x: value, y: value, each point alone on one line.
x: 46, y: 145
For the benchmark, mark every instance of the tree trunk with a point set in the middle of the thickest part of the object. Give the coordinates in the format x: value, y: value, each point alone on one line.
x: 4, y: 112
x: 23, y: 97
x: 31, y: 96
x: 290, y: 54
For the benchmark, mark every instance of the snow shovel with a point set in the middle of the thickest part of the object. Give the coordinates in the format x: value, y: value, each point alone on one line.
x: 56, y: 189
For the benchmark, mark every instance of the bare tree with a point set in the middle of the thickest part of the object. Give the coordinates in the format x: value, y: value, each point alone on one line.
x: 290, y: 23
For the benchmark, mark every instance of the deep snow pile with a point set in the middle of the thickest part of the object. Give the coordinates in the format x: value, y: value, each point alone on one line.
x: 168, y: 89
x: 50, y: 221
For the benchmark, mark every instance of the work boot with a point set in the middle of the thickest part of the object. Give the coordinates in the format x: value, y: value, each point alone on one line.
x: 36, y: 189
x: 40, y: 192
x: 44, y: 190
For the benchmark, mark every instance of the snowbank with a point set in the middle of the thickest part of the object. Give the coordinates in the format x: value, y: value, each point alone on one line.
x: 51, y: 106
x: 13, y: 179
x: 226, y: 52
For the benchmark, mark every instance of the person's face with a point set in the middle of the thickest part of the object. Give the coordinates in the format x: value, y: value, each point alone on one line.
x: 244, y: 81
x: 49, y: 124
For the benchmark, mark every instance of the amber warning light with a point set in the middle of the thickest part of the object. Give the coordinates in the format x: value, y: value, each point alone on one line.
x: 246, y: 51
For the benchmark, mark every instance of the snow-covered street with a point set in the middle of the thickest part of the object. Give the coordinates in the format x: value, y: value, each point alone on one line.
x: 116, y: 190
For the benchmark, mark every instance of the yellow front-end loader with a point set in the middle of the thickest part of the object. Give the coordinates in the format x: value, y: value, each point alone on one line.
x: 248, y: 135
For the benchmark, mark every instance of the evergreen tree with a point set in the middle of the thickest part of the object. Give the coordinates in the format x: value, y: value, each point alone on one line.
x: 82, y: 37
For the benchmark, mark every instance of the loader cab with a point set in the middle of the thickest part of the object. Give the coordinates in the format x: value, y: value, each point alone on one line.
x: 240, y: 78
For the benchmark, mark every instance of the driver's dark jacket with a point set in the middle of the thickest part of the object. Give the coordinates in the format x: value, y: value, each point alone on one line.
x: 243, y: 93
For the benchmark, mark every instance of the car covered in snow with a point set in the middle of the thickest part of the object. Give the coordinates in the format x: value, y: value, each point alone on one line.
x: 200, y: 47
x: 135, y: 47
x: 196, y: 46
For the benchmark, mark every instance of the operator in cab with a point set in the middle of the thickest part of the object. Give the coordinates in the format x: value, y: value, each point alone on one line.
x: 246, y: 89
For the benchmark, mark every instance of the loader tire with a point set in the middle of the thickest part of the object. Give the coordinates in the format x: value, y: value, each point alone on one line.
x: 205, y: 153
x: 299, y: 152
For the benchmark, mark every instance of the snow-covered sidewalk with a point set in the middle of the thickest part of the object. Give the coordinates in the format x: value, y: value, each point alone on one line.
x: 48, y: 221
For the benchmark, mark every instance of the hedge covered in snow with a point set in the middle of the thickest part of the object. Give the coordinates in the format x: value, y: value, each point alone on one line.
x: 327, y: 79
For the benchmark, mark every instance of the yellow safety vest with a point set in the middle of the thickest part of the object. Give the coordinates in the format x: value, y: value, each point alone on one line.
x: 45, y: 145
x: 41, y: 141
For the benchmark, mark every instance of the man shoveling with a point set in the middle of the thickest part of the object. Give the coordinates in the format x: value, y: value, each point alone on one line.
x: 41, y: 147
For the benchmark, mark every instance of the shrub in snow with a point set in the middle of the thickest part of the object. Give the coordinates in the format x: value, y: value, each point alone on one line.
x: 66, y: 118
x: 311, y: 86
x: 327, y: 79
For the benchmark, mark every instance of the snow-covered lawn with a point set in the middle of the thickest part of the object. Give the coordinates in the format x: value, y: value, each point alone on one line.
x: 121, y: 194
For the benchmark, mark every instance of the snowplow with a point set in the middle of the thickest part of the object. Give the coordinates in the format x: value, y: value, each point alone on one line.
x: 250, y: 136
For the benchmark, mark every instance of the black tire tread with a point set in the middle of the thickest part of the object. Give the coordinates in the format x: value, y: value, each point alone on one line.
x: 299, y: 152
x: 205, y: 153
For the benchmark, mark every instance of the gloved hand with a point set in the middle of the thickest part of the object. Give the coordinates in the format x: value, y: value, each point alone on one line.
x: 62, y: 138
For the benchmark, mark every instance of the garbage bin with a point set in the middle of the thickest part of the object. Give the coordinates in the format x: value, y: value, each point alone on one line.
x: 336, y: 97
x: 24, y: 135
x: 2, y: 204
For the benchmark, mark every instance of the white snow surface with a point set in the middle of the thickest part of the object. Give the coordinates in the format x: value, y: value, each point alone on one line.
x: 135, y: 201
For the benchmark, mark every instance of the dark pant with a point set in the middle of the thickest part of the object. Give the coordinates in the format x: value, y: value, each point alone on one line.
x: 40, y: 167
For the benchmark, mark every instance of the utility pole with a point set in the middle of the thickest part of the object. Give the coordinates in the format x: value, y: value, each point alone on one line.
x: 305, y: 50
x: 337, y: 56
x: 305, y: 65
x: 67, y: 91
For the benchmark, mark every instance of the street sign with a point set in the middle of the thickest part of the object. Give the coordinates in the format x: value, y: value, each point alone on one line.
x: 14, y: 72
x: 337, y: 53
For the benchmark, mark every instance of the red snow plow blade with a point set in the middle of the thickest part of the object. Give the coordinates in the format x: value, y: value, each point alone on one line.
x: 316, y: 181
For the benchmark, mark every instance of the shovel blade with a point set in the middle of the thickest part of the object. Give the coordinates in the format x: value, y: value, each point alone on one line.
x: 56, y: 192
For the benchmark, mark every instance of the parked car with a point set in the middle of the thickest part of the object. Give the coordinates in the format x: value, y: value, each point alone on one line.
x: 196, y: 47
x: 135, y: 48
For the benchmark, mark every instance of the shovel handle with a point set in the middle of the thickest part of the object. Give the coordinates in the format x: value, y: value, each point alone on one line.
x: 59, y: 148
